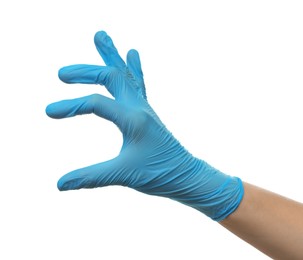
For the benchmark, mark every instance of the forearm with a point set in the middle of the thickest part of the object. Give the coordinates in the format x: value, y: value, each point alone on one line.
x: 269, y: 222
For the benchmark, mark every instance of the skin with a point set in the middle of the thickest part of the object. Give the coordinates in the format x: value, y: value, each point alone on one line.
x: 269, y: 222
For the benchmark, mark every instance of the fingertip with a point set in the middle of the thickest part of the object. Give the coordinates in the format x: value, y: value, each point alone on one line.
x: 66, y: 182
x: 57, y: 110
x: 133, y: 58
x: 132, y: 53
x: 50, y: 111
x: 61, y: 185
x: 72, y: 181
x: 134, y: 63
x: 99, y: 37
x: 63, y: 75
x: 100, y: 34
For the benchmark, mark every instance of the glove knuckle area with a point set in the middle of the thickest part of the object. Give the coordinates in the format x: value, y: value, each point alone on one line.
x: 139, y: 117
x: 113, y: 71
x: 95, y: 99
x: 135, y: 123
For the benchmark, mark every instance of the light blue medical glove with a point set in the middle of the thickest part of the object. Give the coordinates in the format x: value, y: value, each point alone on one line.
x: 151, y: 160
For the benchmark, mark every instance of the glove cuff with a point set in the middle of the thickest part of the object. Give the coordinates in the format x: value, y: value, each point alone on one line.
x: 227, y: 199
x: 210, y: 191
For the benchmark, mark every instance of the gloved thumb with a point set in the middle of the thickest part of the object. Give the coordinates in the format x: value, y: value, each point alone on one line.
x: 98, y: 175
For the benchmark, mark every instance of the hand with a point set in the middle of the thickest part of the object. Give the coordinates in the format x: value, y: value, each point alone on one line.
x: 151, y: 160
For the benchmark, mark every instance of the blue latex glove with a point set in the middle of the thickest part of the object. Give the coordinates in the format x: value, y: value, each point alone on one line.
x: 151, y: 160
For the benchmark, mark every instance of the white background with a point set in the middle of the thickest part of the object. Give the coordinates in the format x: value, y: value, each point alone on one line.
x: 224, y: 76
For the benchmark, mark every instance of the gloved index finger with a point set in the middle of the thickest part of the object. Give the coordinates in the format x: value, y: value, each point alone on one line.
x: 85, y: 74
x: 98, y: 104
x: 90, y: 74
x: 108, y: 51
